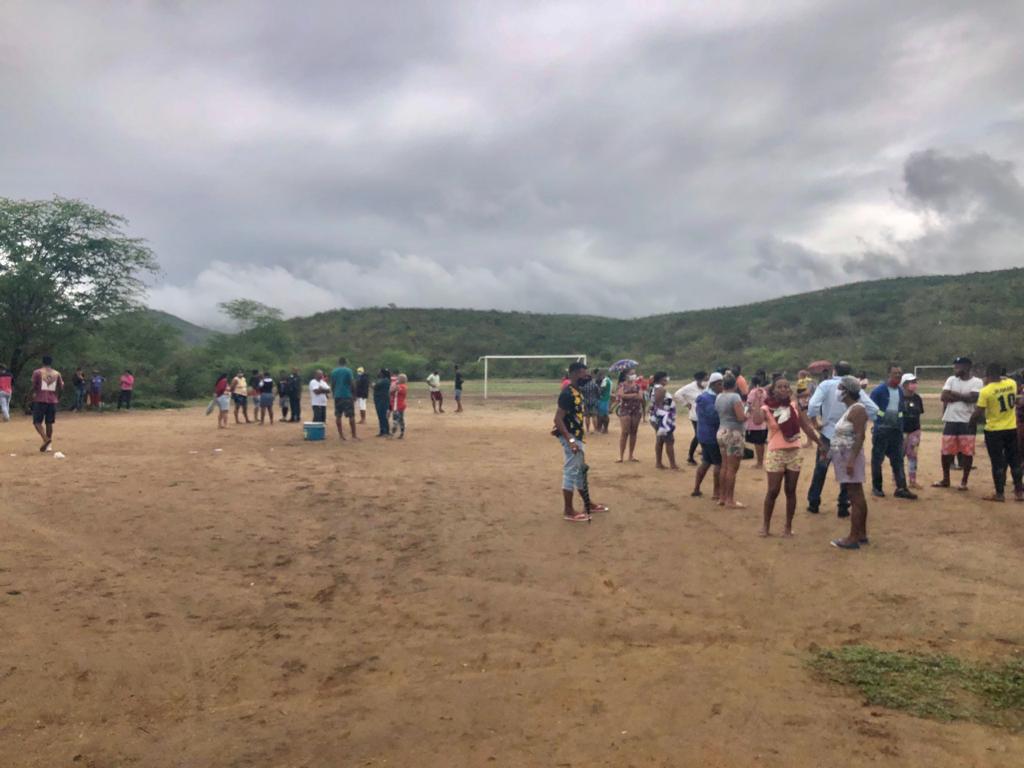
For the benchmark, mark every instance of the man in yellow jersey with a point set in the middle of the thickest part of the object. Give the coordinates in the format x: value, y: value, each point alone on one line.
x: 996, y: 405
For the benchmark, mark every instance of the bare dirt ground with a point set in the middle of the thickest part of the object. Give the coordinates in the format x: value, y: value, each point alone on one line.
x: 421, y: 603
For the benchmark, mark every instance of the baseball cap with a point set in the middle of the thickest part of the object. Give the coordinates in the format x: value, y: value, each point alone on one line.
x: 907, y: 377
x: 360, y: 369
x: 716, y: 376
x: 962, y: 361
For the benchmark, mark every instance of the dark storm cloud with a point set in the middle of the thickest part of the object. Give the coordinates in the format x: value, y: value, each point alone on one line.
x: 543, y: 156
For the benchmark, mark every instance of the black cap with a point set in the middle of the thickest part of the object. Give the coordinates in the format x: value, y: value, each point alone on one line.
x: 962, y: 361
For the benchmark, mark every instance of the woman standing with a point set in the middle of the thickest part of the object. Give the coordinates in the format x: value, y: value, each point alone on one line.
x: 731, y: 418
x: 220, y: 394
x: 784, y: 419
x: 913, y: 409
x: 631, y: 406
x: 847, y: 452
x: 663, y: 419
x: 755, y: 426
x: 400, y: 391
x: 381, y: 396
x: 239, y: 390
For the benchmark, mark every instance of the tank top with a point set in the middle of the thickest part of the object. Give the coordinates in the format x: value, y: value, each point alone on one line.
x: 845, y: 435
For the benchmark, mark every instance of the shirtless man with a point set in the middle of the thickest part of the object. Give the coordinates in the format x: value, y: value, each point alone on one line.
x: 47, y: 385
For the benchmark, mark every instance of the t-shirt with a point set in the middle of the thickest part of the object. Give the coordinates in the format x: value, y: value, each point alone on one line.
x: 5, y: 382
x: 127, y: 382
x: 220, y: 387
x: 401, y: 393
x: 998, y: 399
x: 97, y: 383
x: 591, y: 392
x: 606, y: 391
x: 78, y: 379
x: 341, y: 381
x: 284, y: 387
x: 755, y: 399
x: 267, y: 385
x: 741, y: 386
x: 707, y: 417
x: 891, y: 417
x: 362, y: 386
x: 687, y: 395
x: 726, y: 413
x: 913, y: 409
x: 434, y: 382
x: 46, y: 382
x: 314, y: 398
x: 570, y: 400
x: 238, y: 385
x: 961, y: 412
x: 458, y: 380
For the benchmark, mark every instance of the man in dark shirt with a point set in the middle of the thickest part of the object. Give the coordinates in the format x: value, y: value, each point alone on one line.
x: 283, y: 394
x: 591, y: 389
x: 295, y: 395
x: 459, y: 379
x: 569, y: 431
x: 362, y: 392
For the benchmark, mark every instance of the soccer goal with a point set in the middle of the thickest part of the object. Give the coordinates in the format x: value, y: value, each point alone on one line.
x: 933, y: 372
x: 488, y: 358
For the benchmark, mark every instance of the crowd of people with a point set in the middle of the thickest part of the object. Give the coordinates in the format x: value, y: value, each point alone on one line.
x: 777, y: 418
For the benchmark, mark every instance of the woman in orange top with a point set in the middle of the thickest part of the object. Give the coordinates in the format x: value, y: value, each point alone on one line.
x: 400, y: 390
x: 783, y: 460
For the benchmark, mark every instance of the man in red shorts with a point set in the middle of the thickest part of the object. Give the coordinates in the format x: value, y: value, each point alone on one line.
x: 959, y: 394
x: 47, y: 385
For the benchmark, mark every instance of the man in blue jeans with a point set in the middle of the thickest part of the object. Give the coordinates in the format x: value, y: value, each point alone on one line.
x: 887, y: 435
x: 569, y: 431
x: 826, y: 407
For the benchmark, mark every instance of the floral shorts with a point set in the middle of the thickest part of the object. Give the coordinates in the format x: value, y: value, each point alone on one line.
x: 783, y: 460
x: 730, y: 442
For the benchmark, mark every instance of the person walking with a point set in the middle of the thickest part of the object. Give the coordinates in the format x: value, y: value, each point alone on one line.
x: 342, y: 380
x: 687, y: 396
x: 265, y: 387
x: 631, y: 407
x: 96, y: 391
x: 959, y: 394
x: 6, y: 390
x: 47, y: 385
x: 436, y: 396
x: 784, y: 419
x: 569, y: 431
x: 283, y: 399
x: 124, y: 397
x: 223, y: 398
x: 381, y: 396
x: 239, y: 389
x: 887, y: 434
x: 362, y: 392
x: 319, y: 391
x: 295, y: 395
x: 78, y: 381
x: 591, y: 389
x: 996, y: 406
x: 707, y: 435
x: 846, y: 448
x: 825, y: 404
x: 913, y: 410
x: 663, y: 419
x: 755, y: 427
x: 731, y: 418
x: 401, y: 393
x: 459, y: 381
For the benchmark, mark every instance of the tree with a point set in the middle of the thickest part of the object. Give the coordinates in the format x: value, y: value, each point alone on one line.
x: 64, y: 265
x: 250, y: 314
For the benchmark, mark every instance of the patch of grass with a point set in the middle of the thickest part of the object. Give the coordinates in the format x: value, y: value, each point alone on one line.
x: 939, y: 687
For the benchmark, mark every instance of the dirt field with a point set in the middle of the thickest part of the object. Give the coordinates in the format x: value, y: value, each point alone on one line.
x: 421, y: 603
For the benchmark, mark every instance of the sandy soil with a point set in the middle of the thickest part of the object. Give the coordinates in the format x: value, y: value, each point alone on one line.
x: 421, y: 603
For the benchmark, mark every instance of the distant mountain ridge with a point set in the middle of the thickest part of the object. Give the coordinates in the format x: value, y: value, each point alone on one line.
x: 191, y: 334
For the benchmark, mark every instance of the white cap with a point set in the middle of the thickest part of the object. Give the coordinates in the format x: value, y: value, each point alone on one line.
x: 907, y: 377
x: 716, y: 376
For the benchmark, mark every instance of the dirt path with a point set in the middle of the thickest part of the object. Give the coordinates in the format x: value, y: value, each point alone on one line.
x: 420, y: 603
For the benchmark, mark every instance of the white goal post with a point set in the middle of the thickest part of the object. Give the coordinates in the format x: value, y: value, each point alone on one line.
x: 947, y: 368
x: 487, y: 358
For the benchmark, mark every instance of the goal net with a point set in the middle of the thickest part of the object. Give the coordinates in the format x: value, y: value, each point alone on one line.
x: 488, y: 358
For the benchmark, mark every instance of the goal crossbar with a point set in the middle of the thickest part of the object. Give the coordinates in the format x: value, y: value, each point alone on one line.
x: 488, y: 358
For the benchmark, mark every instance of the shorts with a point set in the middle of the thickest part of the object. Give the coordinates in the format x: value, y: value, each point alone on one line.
x: 361, y: 403
x: 730, y: 442
x: 784, y: 460
x: 957, y: 437
x: 343, y: 406
x: 574, y: 467
x: 266, y: 400
x: 240, y: 399
x: 840, y: 458
x: 757, y: 436
x: 44, y: 412
x: 458, y: 395
x: 436, y: 396
x: 711, y: 454
x: 223, y: 402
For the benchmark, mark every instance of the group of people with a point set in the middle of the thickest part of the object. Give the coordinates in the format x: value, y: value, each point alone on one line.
x: 778, y: 419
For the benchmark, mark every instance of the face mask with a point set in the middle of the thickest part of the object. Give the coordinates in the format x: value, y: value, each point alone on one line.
x: 632, y: 377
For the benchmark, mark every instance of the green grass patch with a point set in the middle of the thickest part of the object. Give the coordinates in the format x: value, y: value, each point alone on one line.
x: 938, y: 687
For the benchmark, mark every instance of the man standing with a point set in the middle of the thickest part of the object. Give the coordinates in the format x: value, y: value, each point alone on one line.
x: 959, y: 394
x: 6, y: 389
x: 96, y: 390
x: 436, y: 398
x: 707, y: 435
x: 318, y: 394
x: 591, y: 390
x: 996, y: 405
x: 79, y: 383
x: 569, y: 431
x: 344, y: 406
x: 604, y: 403
x: 362, y: 392
x: 47, y: 385
x: 687, y: 396
x: 295, y: 395
x: 282, y: 394
x: 826, y: 406
x: 887, y: 434
x: 240, y: 396
x: 127, y: 387
x: 459, y: 380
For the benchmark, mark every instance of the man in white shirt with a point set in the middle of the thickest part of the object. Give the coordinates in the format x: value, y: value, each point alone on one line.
x: 318, y: 394
x: 687, y: 395
x: 436, y: 398
x: 959, y: 394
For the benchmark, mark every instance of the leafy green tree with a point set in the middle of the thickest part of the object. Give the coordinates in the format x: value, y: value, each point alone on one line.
x: 64, y: 265
x: 249, y: 314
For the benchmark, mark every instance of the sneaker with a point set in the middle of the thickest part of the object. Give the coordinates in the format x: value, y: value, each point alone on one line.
x: 843, y: 513
x: 878, y: 493
x: 812, y: 509
x: 904, y: 493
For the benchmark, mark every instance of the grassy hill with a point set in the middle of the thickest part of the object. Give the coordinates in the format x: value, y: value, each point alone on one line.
x: 912, y: 320
x: 191, y: 334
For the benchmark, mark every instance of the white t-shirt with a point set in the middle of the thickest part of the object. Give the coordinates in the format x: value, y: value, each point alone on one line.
x: 687, y: 395
x: 961, y: 412
x: 434, y: 382
x: 314, y: 398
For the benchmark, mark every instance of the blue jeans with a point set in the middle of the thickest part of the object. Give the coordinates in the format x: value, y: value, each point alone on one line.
x: 79, y: 397
x: 818, y: 481
x: 5, y: 406
x: 887, y: 443
x: 573, y: 473
x: 382, y: 416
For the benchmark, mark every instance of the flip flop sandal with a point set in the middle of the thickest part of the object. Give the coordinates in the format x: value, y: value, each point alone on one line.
x: 598, y: 508
x: 838, y: 544
x: 579, y: 517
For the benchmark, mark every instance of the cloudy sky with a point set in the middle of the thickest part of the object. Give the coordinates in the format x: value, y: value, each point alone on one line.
x: 621, y: 158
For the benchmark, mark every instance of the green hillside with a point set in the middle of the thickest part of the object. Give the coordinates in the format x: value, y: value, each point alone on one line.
x: 913, y: 320
x: 191, y: 334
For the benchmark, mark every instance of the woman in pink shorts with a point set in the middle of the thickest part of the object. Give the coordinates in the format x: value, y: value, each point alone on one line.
x: 784, y: 460
x: 847, y: 451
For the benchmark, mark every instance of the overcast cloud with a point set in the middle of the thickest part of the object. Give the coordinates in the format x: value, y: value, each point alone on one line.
x: 611, y: 157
